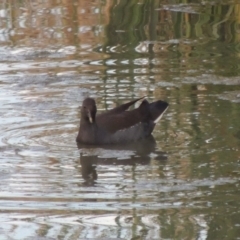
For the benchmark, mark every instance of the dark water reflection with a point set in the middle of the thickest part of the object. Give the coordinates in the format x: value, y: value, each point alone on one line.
x: 127, y: 154
x: 182, y: 185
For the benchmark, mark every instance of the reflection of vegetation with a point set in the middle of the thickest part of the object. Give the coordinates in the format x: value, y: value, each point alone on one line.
x: 152, y: 20
x: 130, y: 17
x: 184, y: 31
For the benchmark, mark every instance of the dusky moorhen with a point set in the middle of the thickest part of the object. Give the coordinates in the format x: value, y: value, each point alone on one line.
x: 118, y: 125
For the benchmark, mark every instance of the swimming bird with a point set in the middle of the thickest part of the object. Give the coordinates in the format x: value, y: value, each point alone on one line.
x: 117, y: 126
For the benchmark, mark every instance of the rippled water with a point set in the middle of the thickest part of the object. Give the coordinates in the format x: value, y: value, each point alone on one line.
x: 184, y: 184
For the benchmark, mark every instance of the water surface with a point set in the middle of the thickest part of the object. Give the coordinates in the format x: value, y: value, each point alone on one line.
x: 183, y: 185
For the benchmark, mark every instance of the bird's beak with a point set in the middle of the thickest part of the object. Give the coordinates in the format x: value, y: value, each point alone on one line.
x: 90, y: 117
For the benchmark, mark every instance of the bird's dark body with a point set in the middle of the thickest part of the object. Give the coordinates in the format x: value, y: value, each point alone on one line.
x: 118, y: 125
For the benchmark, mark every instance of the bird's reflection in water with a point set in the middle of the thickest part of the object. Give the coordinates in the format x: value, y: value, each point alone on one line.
x: 128, y: 154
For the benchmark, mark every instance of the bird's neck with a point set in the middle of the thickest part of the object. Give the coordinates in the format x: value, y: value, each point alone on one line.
x: 87, y: 132
x: 85, y: 123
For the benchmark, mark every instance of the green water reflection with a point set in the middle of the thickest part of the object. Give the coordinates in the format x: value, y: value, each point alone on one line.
x: 54, y: 54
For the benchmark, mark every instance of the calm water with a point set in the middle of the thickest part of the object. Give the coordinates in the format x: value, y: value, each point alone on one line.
x: 183, y: 185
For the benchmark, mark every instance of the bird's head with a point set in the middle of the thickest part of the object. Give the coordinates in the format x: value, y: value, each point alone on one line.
x: 89, y: 110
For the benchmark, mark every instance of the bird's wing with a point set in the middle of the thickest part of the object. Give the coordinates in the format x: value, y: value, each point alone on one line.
x: 121, y: 108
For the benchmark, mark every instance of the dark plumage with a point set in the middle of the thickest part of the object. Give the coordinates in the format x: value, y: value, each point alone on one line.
x: 118, y: 125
